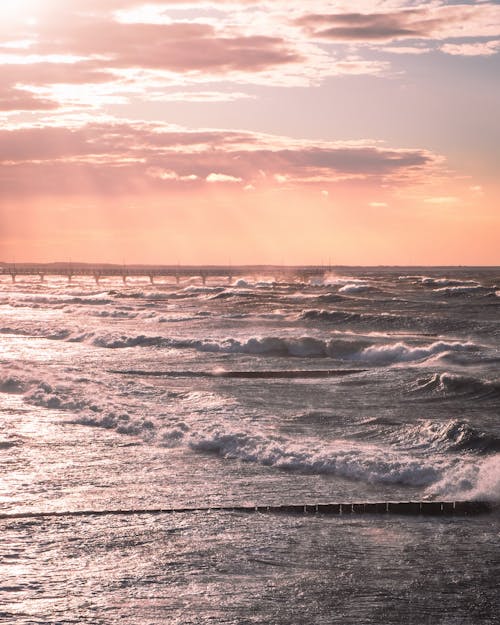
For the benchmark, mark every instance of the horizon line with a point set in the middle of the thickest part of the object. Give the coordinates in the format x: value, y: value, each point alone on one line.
x: 326, y: 267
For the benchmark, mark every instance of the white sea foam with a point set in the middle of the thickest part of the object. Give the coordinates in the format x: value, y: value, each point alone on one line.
x: 241, y: 284
x: 351, y: 288
x: 476, y: 480
x: 401, y: 352
x: 460, y: 290
x: 356, y: 461
x: 447, y: 383
x: 452, y: 435
x: 334, y: 280
x: 98, y: 299
x: 445, y: 282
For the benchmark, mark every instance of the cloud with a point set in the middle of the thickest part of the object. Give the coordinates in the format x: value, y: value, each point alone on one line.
x: 367, y: 27
x: 124, y: 157
x: 445, y: 199
x: 200, y: 96
x: 480, y: 48
x: 420, y: 22
x: 175, y: 47
x: 222, y: 178
x: 23, y: 85
x: 15, y: 99
x: 86, y: 44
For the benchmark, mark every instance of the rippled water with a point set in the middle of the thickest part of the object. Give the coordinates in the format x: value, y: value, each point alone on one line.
x: 120, y: 396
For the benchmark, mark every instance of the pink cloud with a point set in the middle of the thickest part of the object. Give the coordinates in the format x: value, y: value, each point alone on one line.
x: 42, y: 73
x: 119, y: 158
x: 420, y: 22
x: 15, y: 99
x: 480, y: 48
x: 177, y: 47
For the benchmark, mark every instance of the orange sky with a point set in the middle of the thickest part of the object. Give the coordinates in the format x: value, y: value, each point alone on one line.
x: 249, y: 132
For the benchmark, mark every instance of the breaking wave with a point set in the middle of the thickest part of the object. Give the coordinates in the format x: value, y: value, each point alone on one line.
x: 451, y: 384
x: 304, y: 347
x: 445, y: 282
x: 471, y: 481
x: 362, y: 462
x: 383, y: 321
x: 461, y: 290
x: 401, y: 352
x: 448, y: 436
x: 355, y: 288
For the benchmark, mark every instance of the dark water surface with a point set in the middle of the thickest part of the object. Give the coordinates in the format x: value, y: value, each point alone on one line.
x: 143, y: 396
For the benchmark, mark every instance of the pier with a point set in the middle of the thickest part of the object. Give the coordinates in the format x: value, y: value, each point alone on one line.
x: 152, y: 272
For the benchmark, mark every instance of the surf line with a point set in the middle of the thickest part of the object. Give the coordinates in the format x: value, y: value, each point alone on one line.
x: 257, y: 374
x: 406, y: 508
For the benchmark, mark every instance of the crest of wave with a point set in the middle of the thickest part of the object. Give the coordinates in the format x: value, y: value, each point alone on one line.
x: 471, y: 481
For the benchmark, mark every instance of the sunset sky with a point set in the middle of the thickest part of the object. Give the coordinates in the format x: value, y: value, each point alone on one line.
x: 258, y: 131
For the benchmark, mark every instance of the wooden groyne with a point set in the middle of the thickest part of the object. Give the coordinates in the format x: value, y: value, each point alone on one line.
x: 251, y: 375
x: 406, y: 508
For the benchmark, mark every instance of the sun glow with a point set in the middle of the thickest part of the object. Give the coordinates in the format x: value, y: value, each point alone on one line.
x: 18, y: 10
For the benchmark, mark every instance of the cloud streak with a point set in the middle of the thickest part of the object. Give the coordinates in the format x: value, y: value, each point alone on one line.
x: 427, y: 21
x: 126, y: 157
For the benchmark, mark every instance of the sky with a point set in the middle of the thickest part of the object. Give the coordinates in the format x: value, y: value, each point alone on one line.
x: 259, y: 131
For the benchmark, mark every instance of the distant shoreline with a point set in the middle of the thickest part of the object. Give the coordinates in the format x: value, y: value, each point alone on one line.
x: 247, y: 267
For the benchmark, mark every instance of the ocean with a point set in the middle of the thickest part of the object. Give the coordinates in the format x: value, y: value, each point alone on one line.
x: 136, y: 396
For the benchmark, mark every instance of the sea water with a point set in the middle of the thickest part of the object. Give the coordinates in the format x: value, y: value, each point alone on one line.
x: 140, y: 396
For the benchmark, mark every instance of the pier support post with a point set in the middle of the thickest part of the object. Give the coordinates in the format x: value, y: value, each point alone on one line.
x: 151, y: 278
x: 42, y: 277
x: 13, y: 276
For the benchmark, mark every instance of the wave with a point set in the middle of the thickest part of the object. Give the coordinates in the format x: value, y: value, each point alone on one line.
x: 15, y: 331
x: 183, y: 317
x: 335, y: 316
x: 305, y: 347
x: 356, y: 461
x: 444, y: 282
x: 401, y: 352
x: 471, y: 481
x: 333, y: 280
x: 100, y: 299
x: 114, y: 314
x: 382, y: 321
x: 208, y: 426
x: 361, y: 462
x: 329, y: 298
x: 260, y: 284
x: 358, y: 287
x: 358, y: 350
x: 461, y: 290
x: 449, y: 436
x: 234, y: 293
x: 12, y: 385
x: 452, y: 384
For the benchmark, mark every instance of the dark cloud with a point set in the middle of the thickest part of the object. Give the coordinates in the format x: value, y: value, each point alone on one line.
x: 179, y: 47
x: 402, y: 24
x: 113, y: 158
x: 15, y: 99
x: 43, y: 73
